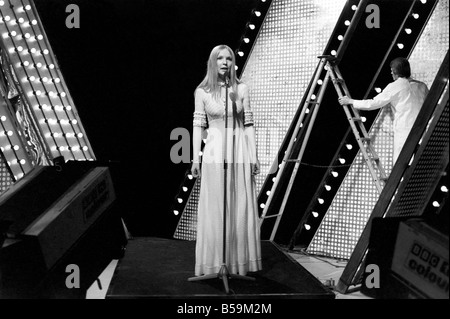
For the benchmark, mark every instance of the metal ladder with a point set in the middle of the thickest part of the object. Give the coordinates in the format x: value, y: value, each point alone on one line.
x: 362, y: 137
x: 364, y: 141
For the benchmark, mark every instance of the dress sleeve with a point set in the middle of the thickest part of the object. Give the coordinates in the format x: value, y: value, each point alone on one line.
x: 248, y: 113
x: 200, y: 118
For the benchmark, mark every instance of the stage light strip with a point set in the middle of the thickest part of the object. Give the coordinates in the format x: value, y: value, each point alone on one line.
x: 42, y: 83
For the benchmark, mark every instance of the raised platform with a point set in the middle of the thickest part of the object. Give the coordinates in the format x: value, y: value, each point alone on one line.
x: 160, y: 268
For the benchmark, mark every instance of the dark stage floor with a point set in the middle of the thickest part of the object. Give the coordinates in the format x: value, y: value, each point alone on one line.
x: 160, y: 268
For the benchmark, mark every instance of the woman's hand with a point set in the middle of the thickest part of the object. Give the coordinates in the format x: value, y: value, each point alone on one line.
x: 255, y: 168
x: 195, y: 169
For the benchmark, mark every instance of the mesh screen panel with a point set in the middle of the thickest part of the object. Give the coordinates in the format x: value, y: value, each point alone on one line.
x: 426, y: 172
x: 187, y: 225
x: 5, y: 177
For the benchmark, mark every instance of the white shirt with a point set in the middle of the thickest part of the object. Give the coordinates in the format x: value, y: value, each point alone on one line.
x: 406, y: 97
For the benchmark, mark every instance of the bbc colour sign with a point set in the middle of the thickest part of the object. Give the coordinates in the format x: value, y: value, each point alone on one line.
x: 421, y: 259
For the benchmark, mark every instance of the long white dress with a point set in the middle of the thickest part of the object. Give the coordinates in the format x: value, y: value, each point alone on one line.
x: 243, y: 250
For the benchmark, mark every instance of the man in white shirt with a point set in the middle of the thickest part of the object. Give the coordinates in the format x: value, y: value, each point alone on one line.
x: 404, y: 95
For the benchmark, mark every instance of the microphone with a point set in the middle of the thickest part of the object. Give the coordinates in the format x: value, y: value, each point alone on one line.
x: 227, y: 78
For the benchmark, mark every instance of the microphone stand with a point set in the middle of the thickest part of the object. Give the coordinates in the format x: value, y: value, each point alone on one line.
x: 223, y: 273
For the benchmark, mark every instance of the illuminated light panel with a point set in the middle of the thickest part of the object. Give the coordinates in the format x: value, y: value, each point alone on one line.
x: 347, y: 216
x: 32, y: 59
x: 187, y: 225
x: 11, y: 145
x: 352, y: 205
x: 280, y: 68
x: 278, y: 72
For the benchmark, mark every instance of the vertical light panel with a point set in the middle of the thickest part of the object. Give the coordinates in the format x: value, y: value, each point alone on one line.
x: 277, y: 72
x: 347, y: 216
x: 40, y: 82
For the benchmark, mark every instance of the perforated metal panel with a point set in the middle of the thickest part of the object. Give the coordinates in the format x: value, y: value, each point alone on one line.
x: 5, y: 177
x: 426, y: 172
x: 187, y: 225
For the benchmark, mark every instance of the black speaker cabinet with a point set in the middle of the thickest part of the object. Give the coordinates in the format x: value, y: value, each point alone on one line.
x: 54, y: 219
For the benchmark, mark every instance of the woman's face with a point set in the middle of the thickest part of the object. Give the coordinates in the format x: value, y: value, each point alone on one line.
x: 224, y: 60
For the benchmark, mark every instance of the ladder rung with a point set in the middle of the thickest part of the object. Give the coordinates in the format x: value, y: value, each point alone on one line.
x: 265, y: 217
x: 376, y: 159
x: 374, y: 156
x: 313, y: 102
x: 367, y: 139
x: 356, y: 119
x: 292, y: 160
x: 328, y: 57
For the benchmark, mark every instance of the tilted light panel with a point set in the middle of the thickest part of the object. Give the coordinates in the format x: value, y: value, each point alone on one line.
x: 432, y: 46
x: 12, y: 147
x: 280, y: 67
x: 19, y: 144
x: 44, y: 91
x: 347, y: 216
x: 187, y: 225
x: 427, y: 170
x: 5, y: 177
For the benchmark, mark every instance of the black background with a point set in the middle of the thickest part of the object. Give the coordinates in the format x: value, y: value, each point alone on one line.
x: 131, y: 69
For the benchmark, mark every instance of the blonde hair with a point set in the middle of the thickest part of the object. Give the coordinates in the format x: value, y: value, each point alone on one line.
x: 210, y: 82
